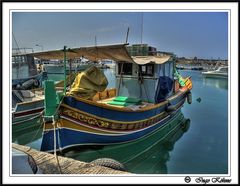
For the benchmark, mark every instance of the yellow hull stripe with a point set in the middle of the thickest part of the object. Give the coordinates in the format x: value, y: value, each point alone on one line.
x: 63, y: 123
x: 77, y: 114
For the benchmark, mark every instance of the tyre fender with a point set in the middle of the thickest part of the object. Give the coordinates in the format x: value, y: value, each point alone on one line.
x: 110, y: 163
x: 189, y: 98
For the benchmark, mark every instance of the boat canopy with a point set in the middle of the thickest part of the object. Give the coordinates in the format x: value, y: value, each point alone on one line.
x: 113, y: 52
x: 117, y: 52
x: 142, y: 60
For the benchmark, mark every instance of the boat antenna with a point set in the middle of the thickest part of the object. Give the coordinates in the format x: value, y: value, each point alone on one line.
x: 96, y: 48
x: 127, y: 35
x: 16, y: 43
x: 95, y: 40
x: 142, y: 27
x: 18, y: 51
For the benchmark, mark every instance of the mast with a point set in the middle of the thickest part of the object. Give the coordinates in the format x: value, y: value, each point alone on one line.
x: 127, y: 35
x: 19, y: 53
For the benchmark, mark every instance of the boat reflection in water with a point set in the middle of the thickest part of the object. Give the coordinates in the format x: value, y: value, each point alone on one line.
x: 147, y: 155
x: 30, y: 133
x: 214, y: 82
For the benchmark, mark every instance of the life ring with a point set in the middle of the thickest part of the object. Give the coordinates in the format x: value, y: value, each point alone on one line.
x: 189, y: 97
x: 110, y: 163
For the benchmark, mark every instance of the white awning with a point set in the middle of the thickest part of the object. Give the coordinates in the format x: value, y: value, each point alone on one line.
x: 142, y: 60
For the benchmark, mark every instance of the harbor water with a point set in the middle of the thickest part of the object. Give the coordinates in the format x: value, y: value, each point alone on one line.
x: 201, y: 148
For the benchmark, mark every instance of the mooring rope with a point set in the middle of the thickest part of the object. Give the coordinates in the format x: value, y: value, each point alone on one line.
x: 55, y: 145
x: 54, y: 133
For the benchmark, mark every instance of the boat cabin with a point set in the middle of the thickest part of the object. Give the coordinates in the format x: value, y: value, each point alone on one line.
x: 145, y: 77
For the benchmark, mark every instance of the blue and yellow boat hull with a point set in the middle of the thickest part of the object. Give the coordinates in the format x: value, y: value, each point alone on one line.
x: 84, y: 122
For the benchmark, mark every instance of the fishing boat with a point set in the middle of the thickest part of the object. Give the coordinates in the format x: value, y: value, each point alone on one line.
x: 28, y: 75
x: 220, y: 72
x: 149, y: 94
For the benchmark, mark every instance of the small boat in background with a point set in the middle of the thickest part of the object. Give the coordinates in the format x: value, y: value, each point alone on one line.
x: 108, y: 64
x: 27, y: 106
x: 26, y: 74
x: 58, y: 69
x: 220, y: 72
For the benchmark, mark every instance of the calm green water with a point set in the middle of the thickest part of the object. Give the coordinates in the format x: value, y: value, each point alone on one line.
x: 202, y: 149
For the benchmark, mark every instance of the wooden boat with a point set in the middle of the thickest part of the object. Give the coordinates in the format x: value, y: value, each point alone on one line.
x: 27, y: 105
x: 220, y: 72
x: 146, y: 99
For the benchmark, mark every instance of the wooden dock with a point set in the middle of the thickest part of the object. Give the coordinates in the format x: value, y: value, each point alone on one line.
x: 49, y: 164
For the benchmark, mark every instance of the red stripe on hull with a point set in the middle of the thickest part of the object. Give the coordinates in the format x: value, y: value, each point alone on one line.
x: 28, y: 112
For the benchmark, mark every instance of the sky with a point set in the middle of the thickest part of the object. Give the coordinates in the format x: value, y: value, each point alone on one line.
x: 187, y: 34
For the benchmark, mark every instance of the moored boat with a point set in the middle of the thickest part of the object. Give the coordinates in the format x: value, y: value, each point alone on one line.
x: 58, y: 69
x: 150, y: 93
x: 28, y: 105
x: 30, y: 78
x: 220, y: 72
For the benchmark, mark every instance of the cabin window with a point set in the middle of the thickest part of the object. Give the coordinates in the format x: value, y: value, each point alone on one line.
x: 167, y: 69
x: 147, y: 70
x: 126, y: 68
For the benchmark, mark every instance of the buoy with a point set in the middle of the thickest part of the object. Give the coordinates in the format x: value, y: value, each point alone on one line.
x: 199, y: 99
x: 189, y: 98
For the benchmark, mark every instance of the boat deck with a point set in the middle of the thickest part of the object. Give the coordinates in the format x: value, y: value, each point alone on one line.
x: 131, y: 107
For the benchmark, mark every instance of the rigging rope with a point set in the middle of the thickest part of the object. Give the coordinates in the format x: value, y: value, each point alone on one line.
x: 16, y: 43
x: 140, y: 80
